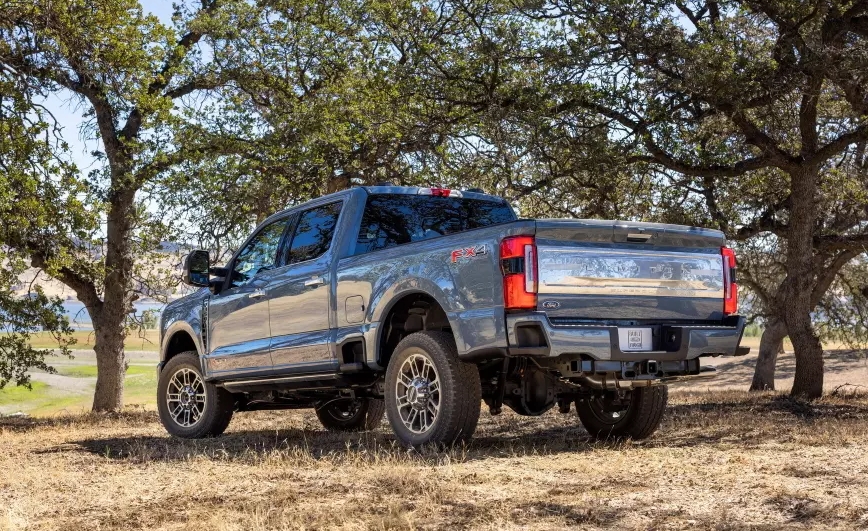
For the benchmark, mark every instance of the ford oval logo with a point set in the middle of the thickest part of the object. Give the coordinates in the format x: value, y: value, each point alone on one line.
x: 551, y: 305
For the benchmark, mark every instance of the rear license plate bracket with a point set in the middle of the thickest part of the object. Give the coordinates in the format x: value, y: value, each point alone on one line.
x: 635, y: 339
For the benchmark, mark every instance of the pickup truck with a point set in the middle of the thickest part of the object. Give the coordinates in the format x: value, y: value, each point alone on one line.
x: 421, y: 303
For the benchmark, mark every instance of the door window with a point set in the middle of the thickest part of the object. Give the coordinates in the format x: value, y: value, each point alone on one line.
x: 259, y: 254
x: 313, y: 233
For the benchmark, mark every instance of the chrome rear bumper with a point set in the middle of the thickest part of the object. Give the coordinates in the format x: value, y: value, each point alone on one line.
x: 532, y: 334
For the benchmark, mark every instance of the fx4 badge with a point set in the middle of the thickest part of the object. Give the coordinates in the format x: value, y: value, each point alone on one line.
x: 468, y: 252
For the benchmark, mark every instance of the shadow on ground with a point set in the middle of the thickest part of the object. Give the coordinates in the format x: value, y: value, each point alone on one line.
x: 745, y: 421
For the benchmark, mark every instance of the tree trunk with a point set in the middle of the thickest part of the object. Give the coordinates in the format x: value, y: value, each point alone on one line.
x: 110, y: 365
x: 771, y: 344
x: 808, y: 382
x: 109, y: 328
x: 799, y: 284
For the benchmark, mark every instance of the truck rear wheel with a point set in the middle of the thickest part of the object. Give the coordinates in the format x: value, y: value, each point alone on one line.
x: 190, y: 407
x: 431, y: 396
x: 347, y: 414
x: 638, y: 420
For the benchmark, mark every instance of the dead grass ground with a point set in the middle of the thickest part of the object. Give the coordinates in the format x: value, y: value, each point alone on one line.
x: 844, y: 369
x: 722, y: 460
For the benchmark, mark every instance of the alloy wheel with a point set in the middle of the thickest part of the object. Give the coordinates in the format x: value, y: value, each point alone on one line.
x: 185, y: 397
x: 417, y: 392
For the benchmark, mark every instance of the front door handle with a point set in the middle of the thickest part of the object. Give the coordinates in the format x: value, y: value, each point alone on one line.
x: 315, y: 281
x: 256, y: 294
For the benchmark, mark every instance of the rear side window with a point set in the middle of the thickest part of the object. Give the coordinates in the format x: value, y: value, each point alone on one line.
x: 396, y: 219
x: 313, y: 233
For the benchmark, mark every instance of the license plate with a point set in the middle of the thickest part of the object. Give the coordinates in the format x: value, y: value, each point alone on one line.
x: 634, y: 338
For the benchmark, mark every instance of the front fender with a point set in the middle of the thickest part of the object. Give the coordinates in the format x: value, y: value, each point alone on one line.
x: 171, y: 330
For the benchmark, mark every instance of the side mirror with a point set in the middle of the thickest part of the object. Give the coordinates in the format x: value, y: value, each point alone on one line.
x: 197, y: 268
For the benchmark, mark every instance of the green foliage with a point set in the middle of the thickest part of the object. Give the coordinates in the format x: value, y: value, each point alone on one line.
x: 752, y: 330
x: 842, y: 314
x: 20, y: 317
x: 140, y: 84
x: 38, y: 200
x: 150, y: 319
x: 748, y: 117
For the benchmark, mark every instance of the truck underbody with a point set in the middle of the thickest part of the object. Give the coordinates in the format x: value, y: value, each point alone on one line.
x: 528, y: 385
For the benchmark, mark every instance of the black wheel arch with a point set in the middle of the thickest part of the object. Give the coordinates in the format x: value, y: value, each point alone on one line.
x: 177, y: 341
x: 411, y: 312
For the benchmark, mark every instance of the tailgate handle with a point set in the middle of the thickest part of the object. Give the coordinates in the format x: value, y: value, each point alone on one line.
x: 638, y: 237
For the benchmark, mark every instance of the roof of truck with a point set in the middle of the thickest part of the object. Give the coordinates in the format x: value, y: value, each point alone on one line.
x: 471, y: 193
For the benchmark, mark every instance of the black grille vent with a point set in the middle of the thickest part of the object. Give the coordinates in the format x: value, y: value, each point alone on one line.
x: 204, y: 325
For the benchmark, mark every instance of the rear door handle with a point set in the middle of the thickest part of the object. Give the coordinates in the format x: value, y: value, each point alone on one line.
x: 256, y: 294
x: 315, y: 281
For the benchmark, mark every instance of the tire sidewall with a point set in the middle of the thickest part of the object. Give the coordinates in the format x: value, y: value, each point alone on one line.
x: 619, y: 426
x: 426, y: 344
x: 368, y: 416
x: 639, y: 410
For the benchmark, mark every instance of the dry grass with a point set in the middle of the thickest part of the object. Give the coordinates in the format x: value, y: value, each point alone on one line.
x: 147, y: 340
x: 722, y: 460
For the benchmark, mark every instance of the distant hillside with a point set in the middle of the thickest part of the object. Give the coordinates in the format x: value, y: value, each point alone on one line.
x: 170, y: 260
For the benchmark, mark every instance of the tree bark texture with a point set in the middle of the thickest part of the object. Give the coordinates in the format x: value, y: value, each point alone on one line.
x: 771, y: 344
x: 799, y: 284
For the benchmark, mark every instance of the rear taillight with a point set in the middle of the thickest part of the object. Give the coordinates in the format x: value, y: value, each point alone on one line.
x: 518, y: 263
x: 730, y: 288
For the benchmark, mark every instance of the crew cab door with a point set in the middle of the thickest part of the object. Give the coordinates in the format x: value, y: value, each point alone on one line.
x: 300, y: 294
x: 238, y: 328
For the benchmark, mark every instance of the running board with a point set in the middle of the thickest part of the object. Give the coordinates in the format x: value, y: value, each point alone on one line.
x: 282, y: 381
x: 327, y: 380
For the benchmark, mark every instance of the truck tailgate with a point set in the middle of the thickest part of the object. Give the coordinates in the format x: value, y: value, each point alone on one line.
x: 614, y: 270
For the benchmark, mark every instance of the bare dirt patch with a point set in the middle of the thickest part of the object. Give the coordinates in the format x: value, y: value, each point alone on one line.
x: 722, y: 460
x: 844, y: 369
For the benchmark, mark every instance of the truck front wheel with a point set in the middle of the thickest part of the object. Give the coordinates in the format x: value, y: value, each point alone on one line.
x: 431, y: 396
x: 190, y: 407
x: 638, y: 420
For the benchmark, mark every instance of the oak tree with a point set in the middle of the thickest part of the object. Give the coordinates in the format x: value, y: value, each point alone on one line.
x: 745, y: 108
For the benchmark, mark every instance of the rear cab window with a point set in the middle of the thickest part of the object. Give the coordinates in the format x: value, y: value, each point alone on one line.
x: 313, y: 233
x: 395, y: 219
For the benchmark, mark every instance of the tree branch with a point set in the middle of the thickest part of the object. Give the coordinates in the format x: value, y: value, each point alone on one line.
x: 756, y: 137
x: 808, y: 116
x: 857, y: 242
x: 84, y: 288
x: 825, y: 279
x: 163, y: 78
x: 834, y: 147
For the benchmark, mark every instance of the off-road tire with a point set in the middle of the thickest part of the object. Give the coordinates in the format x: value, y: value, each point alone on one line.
x: 219, y: 403
x: 460, y: 391
x: 638, y: 421
x: 367, y: 417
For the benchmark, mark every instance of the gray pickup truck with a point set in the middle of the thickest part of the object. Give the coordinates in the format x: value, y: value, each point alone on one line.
x: 424, y: 302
